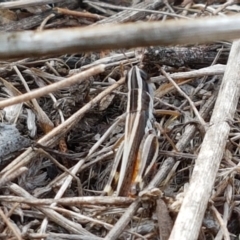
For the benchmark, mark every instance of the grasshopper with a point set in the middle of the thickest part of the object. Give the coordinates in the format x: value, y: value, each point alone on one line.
x: 138, y: 151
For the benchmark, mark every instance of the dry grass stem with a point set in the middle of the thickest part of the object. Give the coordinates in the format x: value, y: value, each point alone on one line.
x: 10, y: 225
x: 185, y: 95
x: 78, y: 78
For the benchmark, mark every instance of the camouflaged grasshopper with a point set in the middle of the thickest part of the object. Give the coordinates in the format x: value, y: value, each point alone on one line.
x: 138, y: 151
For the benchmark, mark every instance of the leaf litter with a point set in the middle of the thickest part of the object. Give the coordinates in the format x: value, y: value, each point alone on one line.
x: 56, y: 150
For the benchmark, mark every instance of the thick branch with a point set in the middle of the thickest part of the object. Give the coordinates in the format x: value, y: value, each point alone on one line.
x: 32, y: 43
x: 194, y: 57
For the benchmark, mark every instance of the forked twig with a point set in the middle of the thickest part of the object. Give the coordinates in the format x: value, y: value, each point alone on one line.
x: 123, y: 222
x: 185, y: 95
x: 10, y: 225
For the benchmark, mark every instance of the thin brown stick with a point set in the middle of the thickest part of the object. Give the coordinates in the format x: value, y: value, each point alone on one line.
x: 184, y: 95
x: 78, y: 78
x: 222, y: 224
x: 9, y: 224
x: 78, y: 14
x: 63, y: 168
x: 116, y: 231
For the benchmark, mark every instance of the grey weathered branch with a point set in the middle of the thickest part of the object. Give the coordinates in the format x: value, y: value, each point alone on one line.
x: 196, y: 57
x: 34, y: 43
